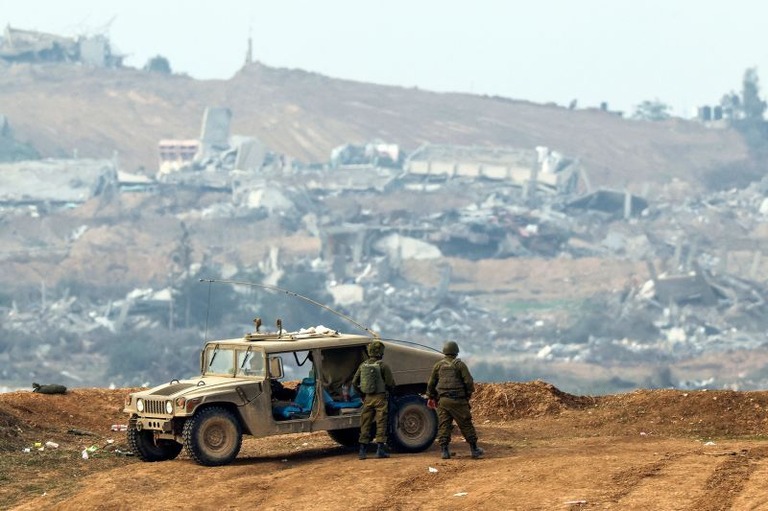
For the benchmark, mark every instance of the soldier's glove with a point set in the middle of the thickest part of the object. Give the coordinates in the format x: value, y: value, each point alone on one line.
x: 431, y: 404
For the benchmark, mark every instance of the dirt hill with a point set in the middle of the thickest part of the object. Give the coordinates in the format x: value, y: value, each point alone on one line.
x: 61, y: 109
x: 545, y: 449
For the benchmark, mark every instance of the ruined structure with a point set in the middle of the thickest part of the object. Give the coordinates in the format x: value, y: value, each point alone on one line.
x: 32, y: 46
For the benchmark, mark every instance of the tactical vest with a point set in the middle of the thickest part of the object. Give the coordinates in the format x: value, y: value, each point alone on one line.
x: 449, y: 381
x: 371, y: 379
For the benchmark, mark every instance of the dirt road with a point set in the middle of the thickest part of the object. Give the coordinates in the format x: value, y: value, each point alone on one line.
x: 545, y: 450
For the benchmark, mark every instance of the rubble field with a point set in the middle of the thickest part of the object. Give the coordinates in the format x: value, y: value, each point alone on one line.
x: 545, y: 449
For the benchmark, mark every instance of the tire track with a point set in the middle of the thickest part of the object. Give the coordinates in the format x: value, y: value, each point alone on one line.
x: 627, y: 481
x: 729, y: 479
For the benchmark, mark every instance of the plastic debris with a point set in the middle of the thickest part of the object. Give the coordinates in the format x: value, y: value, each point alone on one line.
x: 709, y: 443
x: 433, y: 470
x: 119, y: 427
x: 52, y: 445
x: 85, y: 454
x: 460, y: 494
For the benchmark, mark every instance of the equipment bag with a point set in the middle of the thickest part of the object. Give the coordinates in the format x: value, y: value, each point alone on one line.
x: 371, y: 380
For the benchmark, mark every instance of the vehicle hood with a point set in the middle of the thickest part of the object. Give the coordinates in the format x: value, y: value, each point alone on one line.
x: 192, y: 387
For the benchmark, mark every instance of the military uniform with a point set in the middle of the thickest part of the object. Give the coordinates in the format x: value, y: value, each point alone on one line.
x: 375, y: 403
x: 451, y: 385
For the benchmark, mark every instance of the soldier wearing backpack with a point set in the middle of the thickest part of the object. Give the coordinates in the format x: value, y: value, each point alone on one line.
x: 373, y: 379
x: 451, y: 385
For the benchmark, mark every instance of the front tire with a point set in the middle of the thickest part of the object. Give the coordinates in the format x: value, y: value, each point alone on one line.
x: 414, y: 425
x: 347, y: 437
x: 144, y: 446
x: 213, y: 436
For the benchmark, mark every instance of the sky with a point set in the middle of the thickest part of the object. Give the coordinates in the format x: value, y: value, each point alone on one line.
x: 684, y: 53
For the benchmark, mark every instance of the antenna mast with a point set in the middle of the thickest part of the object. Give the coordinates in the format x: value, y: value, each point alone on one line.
x: 294, y: 294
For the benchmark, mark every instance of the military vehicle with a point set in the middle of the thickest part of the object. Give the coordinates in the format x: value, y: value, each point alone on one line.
x: 240, y: 392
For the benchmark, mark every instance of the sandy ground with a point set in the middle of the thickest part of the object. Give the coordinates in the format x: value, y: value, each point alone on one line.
x: 545, y: 449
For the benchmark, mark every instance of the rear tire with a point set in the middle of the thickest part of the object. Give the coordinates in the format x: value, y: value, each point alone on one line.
x: 348, y: 437
x: 143, y: 445
x: 213, y: 436
x: 414, y: 425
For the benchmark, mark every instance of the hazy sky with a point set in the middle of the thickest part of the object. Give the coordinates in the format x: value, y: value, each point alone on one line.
x: 685, y: 53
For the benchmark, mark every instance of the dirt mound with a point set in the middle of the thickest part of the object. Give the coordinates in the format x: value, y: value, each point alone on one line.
x: 703, y: 413
x: 507, y: 401
x: 27, y: 418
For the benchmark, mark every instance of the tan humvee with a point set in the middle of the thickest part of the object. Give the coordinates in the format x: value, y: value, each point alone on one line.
x: 239, y: 392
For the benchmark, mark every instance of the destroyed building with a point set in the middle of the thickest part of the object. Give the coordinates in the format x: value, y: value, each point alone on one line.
x: 46, y: 185
x: 30, y: 46
x: 529, y: 168
x: 396, y: 247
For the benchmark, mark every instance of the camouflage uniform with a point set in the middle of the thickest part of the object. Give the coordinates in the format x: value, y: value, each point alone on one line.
x: 452, y: 385
x: 375, y: 406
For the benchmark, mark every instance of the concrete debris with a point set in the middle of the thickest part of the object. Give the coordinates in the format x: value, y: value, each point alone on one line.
x: 704, y: 289
x: 46, y: 184
x: 18, y: 46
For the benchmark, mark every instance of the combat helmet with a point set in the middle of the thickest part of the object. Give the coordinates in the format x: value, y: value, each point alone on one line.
x: 450, y: 348
x: 376, y: 349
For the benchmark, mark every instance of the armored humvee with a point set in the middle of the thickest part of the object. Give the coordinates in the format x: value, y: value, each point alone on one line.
x: 240, y: 391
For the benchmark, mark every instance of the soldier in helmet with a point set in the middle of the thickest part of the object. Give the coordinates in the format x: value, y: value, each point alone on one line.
x: 373, y: 379
x: 451, y: 386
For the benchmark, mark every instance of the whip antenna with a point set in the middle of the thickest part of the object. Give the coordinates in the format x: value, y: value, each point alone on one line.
x: 207, y: 311
x: 290, y: 293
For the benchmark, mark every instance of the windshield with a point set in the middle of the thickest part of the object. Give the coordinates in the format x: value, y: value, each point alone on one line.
x: 251, y: 363
x: 229, y: 361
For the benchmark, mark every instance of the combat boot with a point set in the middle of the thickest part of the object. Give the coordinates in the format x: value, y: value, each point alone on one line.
x: 475, y: 451
x: 445, y: 453
x: 363, y: 452
x: 381, y: 451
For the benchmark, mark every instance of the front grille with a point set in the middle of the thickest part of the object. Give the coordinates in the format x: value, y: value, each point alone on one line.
x: 154, y: 407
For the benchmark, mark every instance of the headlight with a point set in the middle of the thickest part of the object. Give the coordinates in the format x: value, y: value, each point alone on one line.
x: 140, y: 405
x: 169, y: 407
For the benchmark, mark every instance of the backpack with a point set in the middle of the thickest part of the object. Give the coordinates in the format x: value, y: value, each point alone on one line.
x: 371, y: 379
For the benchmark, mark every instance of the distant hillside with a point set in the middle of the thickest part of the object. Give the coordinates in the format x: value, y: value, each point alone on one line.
x: 62, y: 109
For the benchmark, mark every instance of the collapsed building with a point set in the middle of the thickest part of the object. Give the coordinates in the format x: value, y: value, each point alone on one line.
x: 29, y: 46
x: 49, y: 184
x: 532, y: 169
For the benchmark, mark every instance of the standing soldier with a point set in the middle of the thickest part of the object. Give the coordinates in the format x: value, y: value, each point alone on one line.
x: 452, y: 386
x: 374, y: 379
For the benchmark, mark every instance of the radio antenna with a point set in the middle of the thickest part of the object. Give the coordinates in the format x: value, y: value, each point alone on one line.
x: 294, y: 294
x: 207, y: 312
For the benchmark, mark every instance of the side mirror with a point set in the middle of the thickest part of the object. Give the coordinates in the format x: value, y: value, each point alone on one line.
x: 276, y: 367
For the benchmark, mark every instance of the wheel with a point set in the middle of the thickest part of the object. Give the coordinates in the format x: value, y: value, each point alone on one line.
x: 414, y: 426
x: 347, y: 437
x: 213, y: 436
x: 144, y: 446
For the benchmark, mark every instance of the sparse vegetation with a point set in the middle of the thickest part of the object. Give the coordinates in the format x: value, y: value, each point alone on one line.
x: 158, y: 64
x: 653, y: 110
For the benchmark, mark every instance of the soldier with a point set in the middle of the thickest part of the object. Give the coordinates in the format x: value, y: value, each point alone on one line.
x: 373, y: 379
x: 451, y: 385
